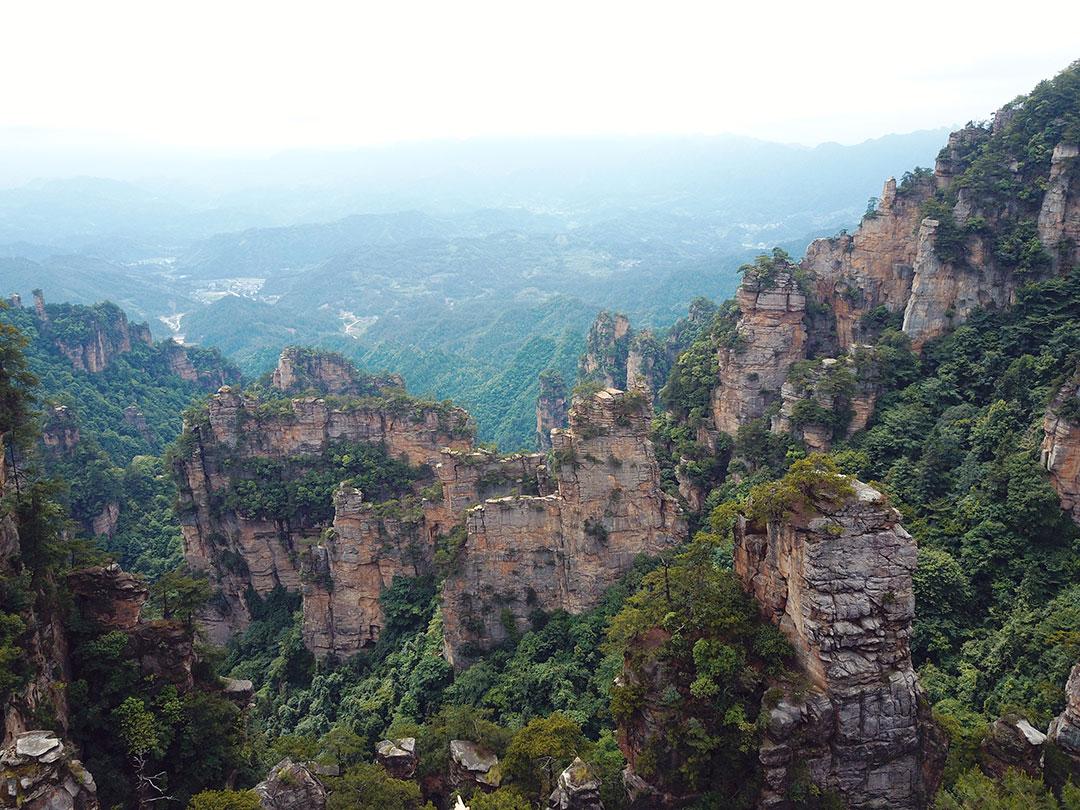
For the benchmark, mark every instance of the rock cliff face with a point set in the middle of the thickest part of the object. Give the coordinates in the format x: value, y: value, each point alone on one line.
x: 874, y: 266
x: 606, y: 347
x: 771, y: 336
x: 291, y: 786
x: 560, y: 551
x: 60, y: 434
x: 1059, y: 216
x: 552, y: 408
x: 247, y: 551
x: 344, y: 575
x: 38, y: 772
x: 102, y: 334
x: 300, y: 370
x: 209, y: 378
x: 109, y: 596
x: 837, y: 582
x: 1061, y: 445
x: 1065, y: 728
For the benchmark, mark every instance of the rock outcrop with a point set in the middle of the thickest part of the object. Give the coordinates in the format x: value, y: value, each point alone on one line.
x: 398, y: 757
x: 291, y: 786
x: 90, y: 337
x: 552, y: 408
x: 525, y: 553
x: 770, y: 337
x: 345, y: 574
x: 1012, y: 742
x: 38, y: 772
x: 836, y: 580
x: 577, y: 789
x: 606, y: 347
x: 242, y: 551
x: 301, y: 370
x: 208, y: 376
x: 1061, y: 445
x: 1059, y: 215
x: 109, y: 596
x: 60, y: 433
x: 1064, y: 732
x: 473, y: 765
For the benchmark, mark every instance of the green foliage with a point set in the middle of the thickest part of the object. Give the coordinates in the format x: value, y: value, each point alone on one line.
x: 505, y: 798
x: 539, y: 753
x: 225, y: 800
x: 811, y: 481
x: 370, y: 787
x: 1014, y: 791
x: 693, y: 617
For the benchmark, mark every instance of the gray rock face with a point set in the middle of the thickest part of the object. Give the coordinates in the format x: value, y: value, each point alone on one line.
x: 291, y: 786
x: 577, y: 789
x: 398, y: 757
x: 1012, y: 742
x: 471, y: 764
x: 1064, y: 729
x: 37, y: 772
x: 1060, y: 452
x: 837, y: 582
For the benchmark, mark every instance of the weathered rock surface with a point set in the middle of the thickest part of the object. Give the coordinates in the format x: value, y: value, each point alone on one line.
x: 1012, y: 742
x: 606, y: 347
x: 856, y: 273
x: 291, y: 786
x: 552, y: 408
x: 109, y: 596
x: 472, y: 764
x: 1059, y: 215
x: 134, y: 417
x: 300, y: 370
x: 1060, y: 452
x: 104, y: 335
x: 824, y: 400
x: 577, y: 789
x: 60, y: 434
x: 245, y: 551
x: 165, y: 650
x: 1064, y: 729
x: 344, y: 575
x: 837, y: 582
x: 771, y: 337
x: 480, y: 475
x: 398, y: 757
x: 209, y: 377
x: 561, y: 551
x: 38, y: 772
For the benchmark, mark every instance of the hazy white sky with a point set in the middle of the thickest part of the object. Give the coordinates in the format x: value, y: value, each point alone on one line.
x: 269, y: 75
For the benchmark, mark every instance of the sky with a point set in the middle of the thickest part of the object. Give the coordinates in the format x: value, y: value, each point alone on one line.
x: 233, y: 75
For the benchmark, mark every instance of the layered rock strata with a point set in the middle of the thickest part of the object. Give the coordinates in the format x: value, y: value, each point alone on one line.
x: 607, y: 345
x: 38, y: 772
x: 291, y: 786
x: 836, y: 580
x: 770, y: 337
x: 1060, y: 452
x: 245, y: 551
x: 109, y: 596
x: 300, y: 370
x: 562, y: 550
x: 552, y: 408
x: 1064, y: 730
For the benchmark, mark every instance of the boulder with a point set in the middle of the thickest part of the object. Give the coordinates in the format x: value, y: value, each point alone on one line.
x: 472, y: 764
x: 1012, y: 742
x: 291, y: 786
x: 398, y: 757
x: 37, y: 772
x: 577, y: 789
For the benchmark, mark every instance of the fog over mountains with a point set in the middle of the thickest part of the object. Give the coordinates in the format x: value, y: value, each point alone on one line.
x: 460, y: 264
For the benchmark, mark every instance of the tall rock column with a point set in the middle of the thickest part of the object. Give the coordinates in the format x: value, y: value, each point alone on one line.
x: 1065, y: 728
x: 524, y: 554
x: 552, y: 408
x: 836, y: 579
x: 770, y: 336
x: 1061, y: 445
x: 1059, y: 216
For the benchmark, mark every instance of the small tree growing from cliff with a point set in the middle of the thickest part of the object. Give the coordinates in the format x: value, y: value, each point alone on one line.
x: 814, y: 481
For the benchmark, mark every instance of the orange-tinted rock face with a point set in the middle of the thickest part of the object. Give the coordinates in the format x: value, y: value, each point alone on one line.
x: 109, y: 596
x: 839, y: 586
x: 299, y: 370
x: 344, y: 575
x: 104, y: 340
x: 562, y: 550
x: 771, y: 336
x: 242, y: 551
x: 1061, y: 446
x: 552, y: 408
x: 60, y: 435
x: 872, y: 267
